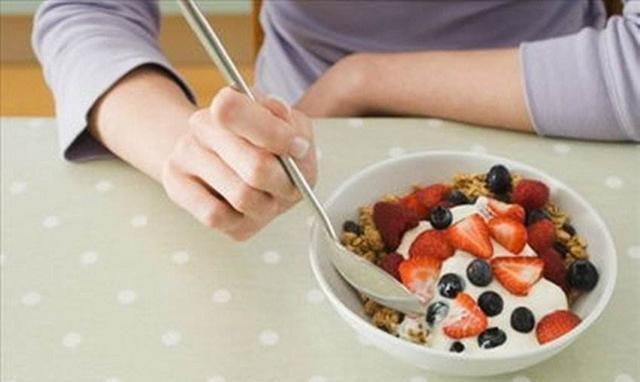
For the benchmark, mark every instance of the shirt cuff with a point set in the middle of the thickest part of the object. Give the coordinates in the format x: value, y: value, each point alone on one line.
x: 87, y: 83
x: 566, y: 89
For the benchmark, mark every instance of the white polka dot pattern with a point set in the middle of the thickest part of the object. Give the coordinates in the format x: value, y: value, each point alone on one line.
x: 89, y: 257
x: 271, y: 257
x: 221, y: 296
x: 99, y: 267
x: 71, y: 340
x: 139, y: 221
x: 127, y: 296
x: 269, y: 338
x: 104, y: 186
x: 624, y: 378
x: 51, y: 221
x: 171, y: 338
x: 17, y: 187
x: 613, y: 182
x: 315, y: 296
x: 180, y: 257
x: 31, y: 298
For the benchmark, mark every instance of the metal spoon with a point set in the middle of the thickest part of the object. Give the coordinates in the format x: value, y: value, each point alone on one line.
x: 361, y: 274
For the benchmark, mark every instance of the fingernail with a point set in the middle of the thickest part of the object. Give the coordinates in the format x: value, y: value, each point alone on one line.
x: 282, y: 101
x: 299, y: 147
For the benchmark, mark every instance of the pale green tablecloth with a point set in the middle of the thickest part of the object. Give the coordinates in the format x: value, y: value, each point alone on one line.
x: 103, y: 279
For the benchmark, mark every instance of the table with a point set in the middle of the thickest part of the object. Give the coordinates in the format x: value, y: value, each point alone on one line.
x: 103, y: 279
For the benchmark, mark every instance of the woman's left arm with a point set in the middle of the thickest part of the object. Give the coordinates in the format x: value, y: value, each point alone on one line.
x: 585, y: 85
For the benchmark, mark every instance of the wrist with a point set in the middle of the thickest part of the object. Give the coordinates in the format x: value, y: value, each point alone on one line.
x: 354, y: 83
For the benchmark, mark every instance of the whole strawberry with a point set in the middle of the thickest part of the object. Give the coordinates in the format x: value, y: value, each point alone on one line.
x: 390, y: 263
x: 530, y: 194
x: 554, y: 269
x: 392, y: 220
x: 541, y: 235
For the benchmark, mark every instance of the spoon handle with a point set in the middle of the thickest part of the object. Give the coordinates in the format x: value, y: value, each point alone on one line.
x: 212, y: 44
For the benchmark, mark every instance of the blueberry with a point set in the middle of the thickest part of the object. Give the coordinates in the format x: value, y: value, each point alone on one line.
x: 491, y: 303
x: 457, y: 347
x: 457, y: 197
x: 491, y: 338
x: 479, y: 273
x: 499, y: 179
x: 582, y: 275
x: 522, y: 320
x: 536, y: 215
x: 568, y: 228
x: 561, y: 248
x: 351, y: 226
x: 450, y: 285
x: 440, y: 217
x: 436, y: 312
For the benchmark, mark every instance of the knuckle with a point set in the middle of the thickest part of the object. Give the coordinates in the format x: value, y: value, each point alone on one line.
x: 169, y: 181
x: 258, y: 171
x: 213, y: 217
x: 243, y: 198
x: 282, y: 136
x: 225, y: 106
x: 243, y: 233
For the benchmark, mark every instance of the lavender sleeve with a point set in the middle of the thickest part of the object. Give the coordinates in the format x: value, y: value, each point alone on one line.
x: 86, y: 46
x: 587, y: 85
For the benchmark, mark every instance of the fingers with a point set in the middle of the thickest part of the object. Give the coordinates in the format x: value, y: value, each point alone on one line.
x: 256, y: 167
x: 245, y: 199
x: 193, y: 196
x: 237, y: 113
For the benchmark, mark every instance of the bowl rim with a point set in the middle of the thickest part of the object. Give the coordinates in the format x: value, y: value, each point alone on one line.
x: 542, y: 349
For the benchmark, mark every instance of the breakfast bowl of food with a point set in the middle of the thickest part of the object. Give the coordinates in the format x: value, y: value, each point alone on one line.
x: 510, y: 264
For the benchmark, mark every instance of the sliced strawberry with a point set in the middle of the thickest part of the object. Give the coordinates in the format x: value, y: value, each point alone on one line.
x: 554, y: 269
x: 471, y: 235
x: 466, y: 318
x: 430, y: 196
x: 510, y: 233
x: 530, y: 194
x: 555, y: 325
x: 431, y: 243
x: 390, y: 263
x: 499, y: 208
x: 517, y: 273
x: 392, y: 220
x: 419, y: 274
x: 411, y: 202
x: 541, y: 235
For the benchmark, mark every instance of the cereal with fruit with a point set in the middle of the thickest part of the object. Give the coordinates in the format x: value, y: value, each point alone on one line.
x: 497, y: 264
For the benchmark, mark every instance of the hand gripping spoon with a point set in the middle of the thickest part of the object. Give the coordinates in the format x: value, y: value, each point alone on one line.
x: 364, y: 276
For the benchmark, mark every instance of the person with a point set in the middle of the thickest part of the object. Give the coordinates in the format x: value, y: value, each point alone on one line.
x: 556, y: 68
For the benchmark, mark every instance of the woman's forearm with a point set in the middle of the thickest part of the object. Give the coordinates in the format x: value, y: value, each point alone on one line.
x: 480, y: 87
x: 141, y: 117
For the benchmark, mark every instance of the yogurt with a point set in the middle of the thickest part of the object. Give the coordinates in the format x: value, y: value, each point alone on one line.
x: 543, y: 298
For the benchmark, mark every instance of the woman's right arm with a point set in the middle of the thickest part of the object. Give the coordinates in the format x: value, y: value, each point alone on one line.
x: 115, y: 91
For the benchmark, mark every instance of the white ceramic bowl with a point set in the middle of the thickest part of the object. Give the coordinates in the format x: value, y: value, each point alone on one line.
x: 397, y: 176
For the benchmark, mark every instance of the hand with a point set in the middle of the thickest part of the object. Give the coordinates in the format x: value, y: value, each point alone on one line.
x: 339, y: 92
x: 223, y: 170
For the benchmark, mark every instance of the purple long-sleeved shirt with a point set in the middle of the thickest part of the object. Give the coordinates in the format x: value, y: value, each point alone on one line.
x: 581, y: 72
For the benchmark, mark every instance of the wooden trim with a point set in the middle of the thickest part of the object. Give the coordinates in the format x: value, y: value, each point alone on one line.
x: 176, y: 39
x: 613, y: 7
x: 258, y: 33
